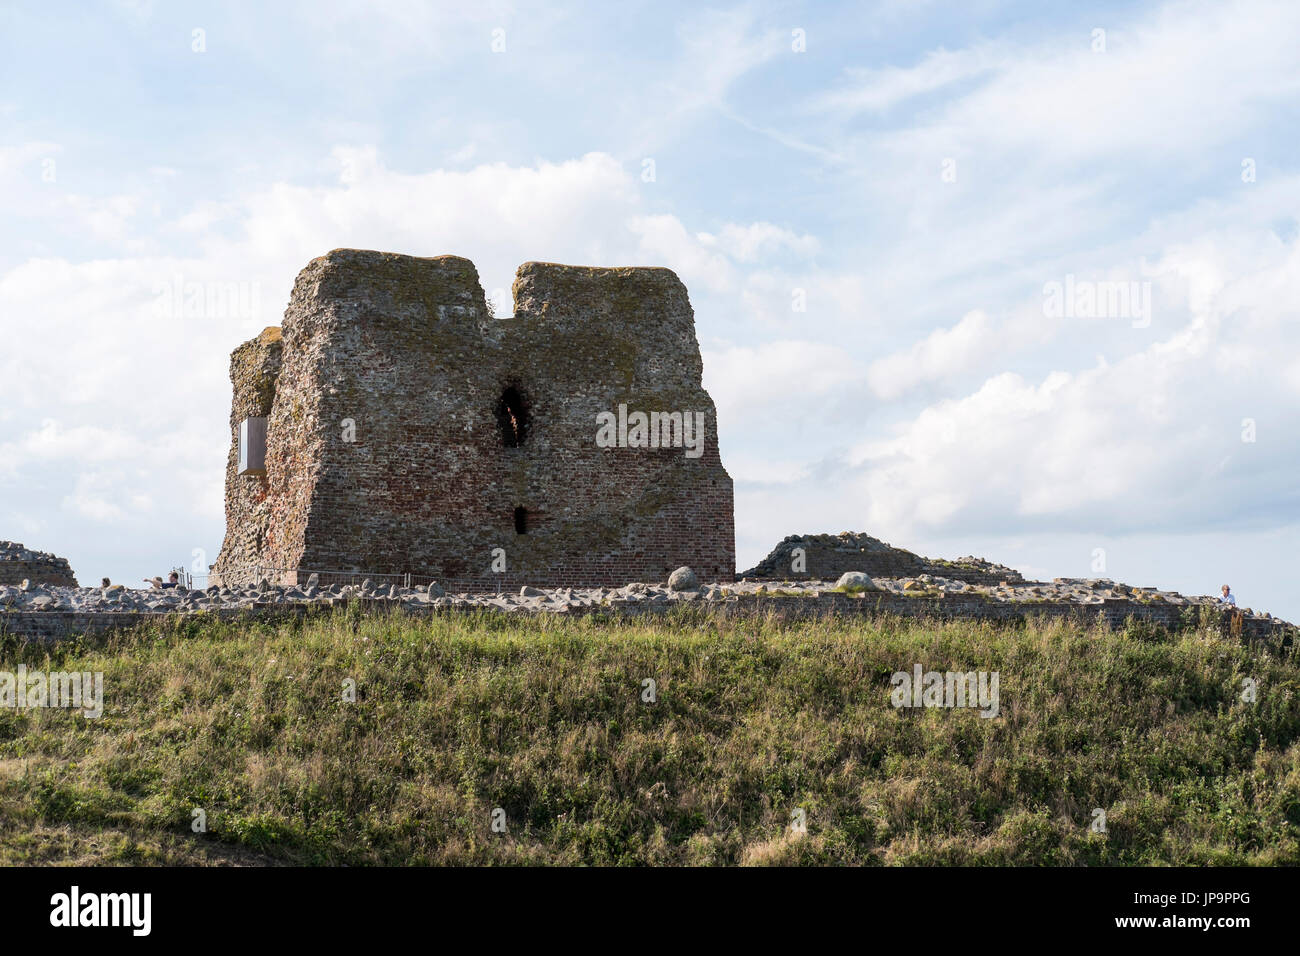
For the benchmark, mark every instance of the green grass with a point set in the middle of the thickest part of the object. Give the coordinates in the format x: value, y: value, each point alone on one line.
x: 544, y: 718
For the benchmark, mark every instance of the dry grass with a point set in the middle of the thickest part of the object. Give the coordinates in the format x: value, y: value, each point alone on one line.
x: 544, y: 718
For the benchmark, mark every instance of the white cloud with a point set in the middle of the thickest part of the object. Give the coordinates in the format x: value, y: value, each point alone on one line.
x: 1057, y: 97
x: 877, y: 90
x: 943, y: 353
x: 758, y: 240
x: 92, y: 498
x: 1152, y: 440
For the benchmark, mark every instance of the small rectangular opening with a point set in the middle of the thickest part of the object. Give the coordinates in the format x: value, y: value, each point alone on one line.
x: 252, y: 446
x: 521, y: 520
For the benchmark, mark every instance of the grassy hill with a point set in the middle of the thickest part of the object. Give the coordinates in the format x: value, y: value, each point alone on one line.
x: 544, y: 718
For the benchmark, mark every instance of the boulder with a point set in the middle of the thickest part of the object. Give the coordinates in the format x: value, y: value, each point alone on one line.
x: 683, y: 579
x: 855, y: 579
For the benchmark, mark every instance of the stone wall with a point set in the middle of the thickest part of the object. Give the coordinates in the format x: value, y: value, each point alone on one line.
x: 18, y: 564
x: 827, y: 556
x: 389, y: 431
x: 254, y: 368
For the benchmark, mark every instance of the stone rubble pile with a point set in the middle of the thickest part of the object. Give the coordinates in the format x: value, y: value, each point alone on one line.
x: 827, y: 556
x: 13, y: 551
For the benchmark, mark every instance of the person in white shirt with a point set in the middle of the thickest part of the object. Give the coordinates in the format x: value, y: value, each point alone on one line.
x: 1227, y: 597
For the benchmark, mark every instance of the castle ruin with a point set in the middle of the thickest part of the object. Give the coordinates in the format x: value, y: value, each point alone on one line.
x: 392, y: 425
x: 18, y: 564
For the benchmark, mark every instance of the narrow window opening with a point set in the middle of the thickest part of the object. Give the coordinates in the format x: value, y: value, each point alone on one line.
x: 521, y: 520
x: 512, y: 418
x: 252, y: 447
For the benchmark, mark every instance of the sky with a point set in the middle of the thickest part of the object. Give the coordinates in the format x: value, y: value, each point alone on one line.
x: 1016, y: 280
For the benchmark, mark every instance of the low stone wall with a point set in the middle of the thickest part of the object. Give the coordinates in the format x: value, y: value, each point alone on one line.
x: 50, y: 626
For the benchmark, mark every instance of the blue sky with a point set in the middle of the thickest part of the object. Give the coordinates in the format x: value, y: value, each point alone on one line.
x: 917, y: 175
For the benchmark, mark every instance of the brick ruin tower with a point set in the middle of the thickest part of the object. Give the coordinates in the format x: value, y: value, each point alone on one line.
x: 392, y: 425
